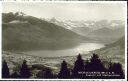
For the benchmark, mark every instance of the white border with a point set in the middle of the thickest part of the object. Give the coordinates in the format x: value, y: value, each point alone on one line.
x: 36, y: 1
x: 45, y: 1
x: 126, y: 30
x: 0, y: 39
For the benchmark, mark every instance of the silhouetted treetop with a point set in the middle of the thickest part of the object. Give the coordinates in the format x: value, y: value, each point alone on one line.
x: 24, y: 70
x: 79, y: 57
x: 94, y: 57
x: 5, y: 70
x: 15, y: 75
x: 64, y: 71
x: 83, y: 69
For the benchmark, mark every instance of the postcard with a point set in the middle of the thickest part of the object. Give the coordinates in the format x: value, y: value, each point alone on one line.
x: 77, y: 40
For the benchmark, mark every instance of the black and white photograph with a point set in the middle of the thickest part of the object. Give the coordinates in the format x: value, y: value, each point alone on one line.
x: 59, y: 40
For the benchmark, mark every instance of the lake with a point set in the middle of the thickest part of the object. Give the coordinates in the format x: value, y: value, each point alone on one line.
x: 82, y: 48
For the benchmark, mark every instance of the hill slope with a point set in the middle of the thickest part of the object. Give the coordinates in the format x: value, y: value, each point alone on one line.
x: 114, y: 51
x: 30, y: 33
x: 106, y: 34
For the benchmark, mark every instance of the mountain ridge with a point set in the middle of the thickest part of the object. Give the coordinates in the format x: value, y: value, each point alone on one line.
x: 36, y: 34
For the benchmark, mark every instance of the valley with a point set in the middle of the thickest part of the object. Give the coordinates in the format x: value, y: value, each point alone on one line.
x: 46, y: 43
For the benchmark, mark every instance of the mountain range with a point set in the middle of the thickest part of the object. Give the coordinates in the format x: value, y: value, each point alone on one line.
x: 21, y: 32
x: 103, y: 31
x: 24, y: 32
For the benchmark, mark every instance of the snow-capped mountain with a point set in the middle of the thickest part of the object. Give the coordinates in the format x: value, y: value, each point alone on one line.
x: 88, y: 25
x: 98, y: 30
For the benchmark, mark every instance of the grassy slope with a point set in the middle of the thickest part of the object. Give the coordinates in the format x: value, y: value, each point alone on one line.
x: 114, y: 51
x: 37, y: 34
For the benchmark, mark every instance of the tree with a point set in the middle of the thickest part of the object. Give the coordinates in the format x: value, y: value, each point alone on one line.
x: 24, y: 70
x: 15, y: 75
x: 96, y: 64
x: 40, y: 74
x: 117, y: 69
x: 5, y: 70
x: 64, y: 71
x: 48, y: 73
x: 78, y: 67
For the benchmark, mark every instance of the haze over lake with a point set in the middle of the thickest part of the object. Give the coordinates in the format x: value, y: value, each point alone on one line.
x: 82, y: 48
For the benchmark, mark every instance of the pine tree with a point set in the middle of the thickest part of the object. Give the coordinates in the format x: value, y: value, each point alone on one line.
x: 64, y: 71
x: 48, y: 73
x: 96, y: 64
x: 78, y: 67
x: 24, y: 70
x: 40, y: 74
x: 15, y: 75
x: 5, y: 70
x: 117, y: 69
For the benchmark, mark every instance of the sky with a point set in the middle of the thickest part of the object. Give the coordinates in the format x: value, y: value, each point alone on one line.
x: 69, y: 11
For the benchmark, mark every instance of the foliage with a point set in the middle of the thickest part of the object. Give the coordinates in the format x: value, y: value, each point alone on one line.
x: 5, y: 70
x: 64, y: 71
x: 82, y: 70
x: 24, y: 70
